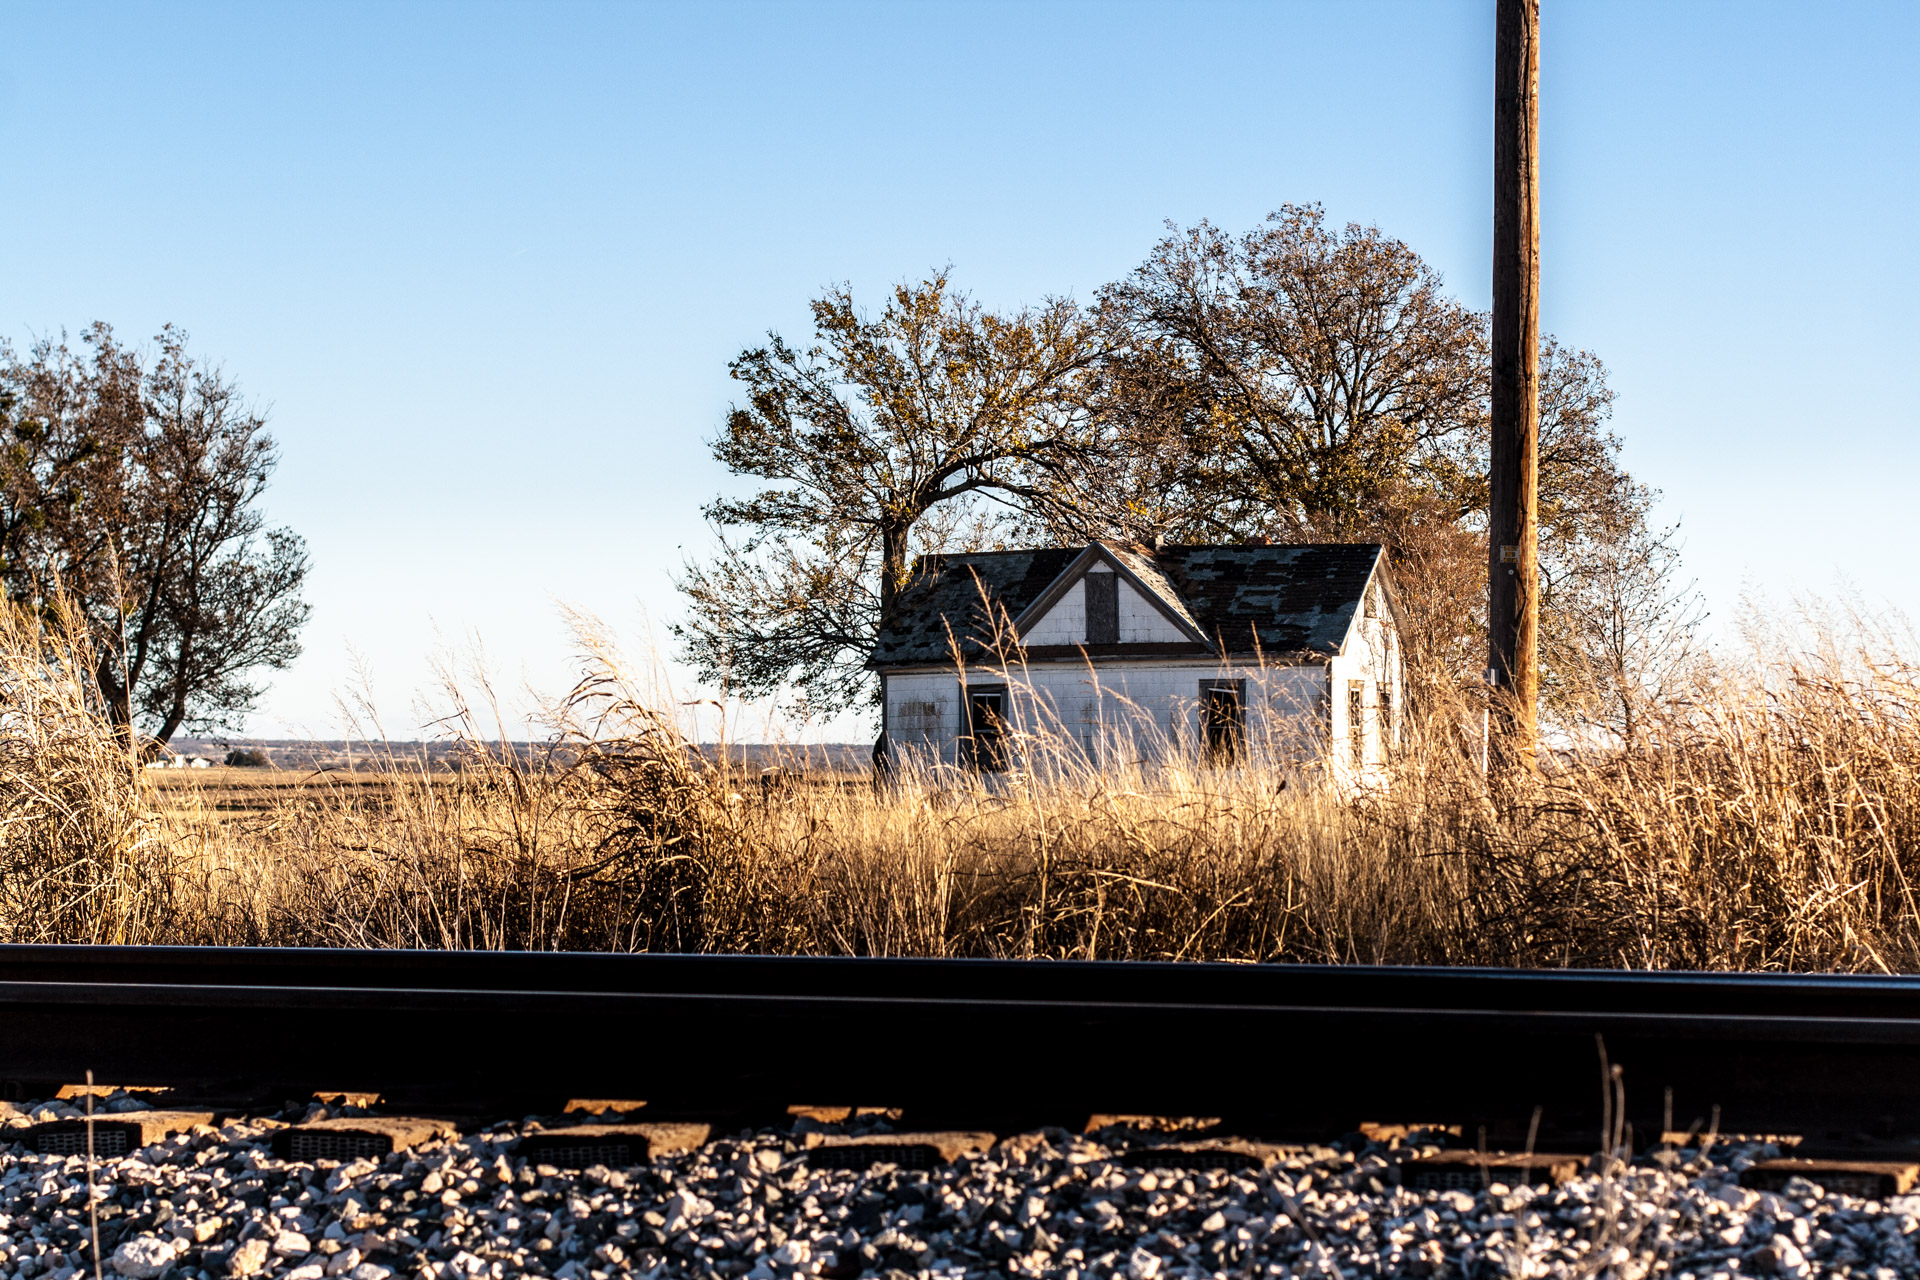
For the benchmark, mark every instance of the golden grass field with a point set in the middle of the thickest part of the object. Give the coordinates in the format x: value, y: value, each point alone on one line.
x: 1768, y: 818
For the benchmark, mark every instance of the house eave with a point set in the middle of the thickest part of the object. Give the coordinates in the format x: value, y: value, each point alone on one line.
x: 1135, y: 654
x: 1376, y: 574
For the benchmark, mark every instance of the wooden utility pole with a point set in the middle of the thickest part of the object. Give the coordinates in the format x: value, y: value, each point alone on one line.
x: 1513, y: 596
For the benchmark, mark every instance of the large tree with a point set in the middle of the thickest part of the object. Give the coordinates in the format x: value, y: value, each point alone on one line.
x: 1316, y: 372
x: 889, y: 436
x: 1305, y: 381
x: 130, y: 487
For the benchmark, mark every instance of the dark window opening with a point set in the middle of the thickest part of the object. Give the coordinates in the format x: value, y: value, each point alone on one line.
x: 1223, y: 721
x: 1103, y: 608
x: 1386, y: 719
x: 987, y: 737
x: 1356, y: 720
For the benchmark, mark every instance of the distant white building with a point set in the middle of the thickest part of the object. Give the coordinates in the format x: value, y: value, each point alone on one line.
x: 171, y: 761
x: 1287, y: 652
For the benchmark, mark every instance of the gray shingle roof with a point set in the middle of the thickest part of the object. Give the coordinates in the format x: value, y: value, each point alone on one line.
x: 1297, y: 600
x: 962, y: 593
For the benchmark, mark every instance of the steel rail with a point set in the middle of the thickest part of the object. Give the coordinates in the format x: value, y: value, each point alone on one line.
x: 1279, y: 1049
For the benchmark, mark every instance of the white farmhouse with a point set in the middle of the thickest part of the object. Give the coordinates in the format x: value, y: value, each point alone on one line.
x: 1109, y: 651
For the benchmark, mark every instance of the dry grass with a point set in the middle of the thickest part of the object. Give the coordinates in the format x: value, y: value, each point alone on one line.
x: 1767, y: 820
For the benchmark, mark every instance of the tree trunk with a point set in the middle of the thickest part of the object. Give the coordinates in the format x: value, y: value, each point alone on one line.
x: 1512, y: 560
x: 118, y: 697
x: 893, y: 571
x: 176, y: 716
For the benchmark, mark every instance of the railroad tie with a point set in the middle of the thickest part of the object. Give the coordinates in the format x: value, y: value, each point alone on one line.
x: 1473, y: 1170
x: 908, y: 1150
x: 1865, y: 1179
x: 840, y: 1115
x: 346, y: 1098
x: 357, y: 1137
x: 1232, y: 1154
x: 600, y: 1106
x: 616, y: 1146
x: 115, y: 1133
x: 145, y: 1092
x: 1391, y: 1135
x: 1100, y: 1120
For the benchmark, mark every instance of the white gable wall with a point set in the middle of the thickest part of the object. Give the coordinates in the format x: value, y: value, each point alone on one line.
x: 1141, y: 621
x: 1065, y: 623
x: 1372, y: 662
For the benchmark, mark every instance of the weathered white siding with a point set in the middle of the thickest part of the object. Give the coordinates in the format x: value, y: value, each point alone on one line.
x: 923, y: 713
x: 1144, y: 710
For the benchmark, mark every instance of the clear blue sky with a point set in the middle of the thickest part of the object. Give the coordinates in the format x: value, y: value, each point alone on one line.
x: 487, y: 263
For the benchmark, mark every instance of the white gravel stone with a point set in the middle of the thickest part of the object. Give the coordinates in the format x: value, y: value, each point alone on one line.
x: 247, y: 1258
x: 143, y: 1257
x: 291, y: 1244
x: 1048, y: 1204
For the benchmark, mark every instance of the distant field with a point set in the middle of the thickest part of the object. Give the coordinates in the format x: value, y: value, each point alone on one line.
x: 220, y: 790
x: 305, y: 754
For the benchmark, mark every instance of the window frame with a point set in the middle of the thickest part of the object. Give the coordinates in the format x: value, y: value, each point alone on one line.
x: 1383, y: 698
x: 997, y: 758
x: 1229, y: 747
x: 1357, y: 723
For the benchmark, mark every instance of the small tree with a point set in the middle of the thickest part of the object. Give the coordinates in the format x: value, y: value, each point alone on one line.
x: 1623, y: 631
x: 889, y: 437
x: 130, y: 487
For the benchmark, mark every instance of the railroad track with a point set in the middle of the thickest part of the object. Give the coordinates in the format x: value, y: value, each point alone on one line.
x: 1282, y: 1052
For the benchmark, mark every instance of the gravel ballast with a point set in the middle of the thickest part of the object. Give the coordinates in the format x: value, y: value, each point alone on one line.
x: 216, y: 1201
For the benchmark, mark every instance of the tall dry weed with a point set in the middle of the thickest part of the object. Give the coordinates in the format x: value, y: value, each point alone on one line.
x: 1765, y: 818
x: 80, y: 858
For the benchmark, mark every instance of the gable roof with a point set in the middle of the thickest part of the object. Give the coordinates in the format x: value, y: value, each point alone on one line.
x: 1143, y: 574
x: 1294, y: 601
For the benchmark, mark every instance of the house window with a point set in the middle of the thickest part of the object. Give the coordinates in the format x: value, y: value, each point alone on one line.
x: 1356, y: 720
x: 1385, y: 701
x: 1103, y: 608
x: 1223, y: 724
x: 985, y: 745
